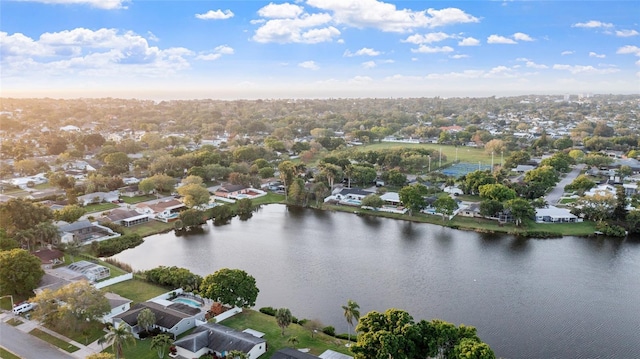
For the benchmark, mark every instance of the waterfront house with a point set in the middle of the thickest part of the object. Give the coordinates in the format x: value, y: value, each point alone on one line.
x: 85, y: 232
x: 552, y: 214
x: 99, y: 197
x: 164, y: 211
x: 219, y: 339
x: 125, y: 217
x: 173, y: 318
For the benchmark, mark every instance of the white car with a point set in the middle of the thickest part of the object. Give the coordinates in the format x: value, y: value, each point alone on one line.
x: 22, y: 308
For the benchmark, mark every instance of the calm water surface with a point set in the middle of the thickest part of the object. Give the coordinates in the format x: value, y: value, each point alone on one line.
x: 562, y: 298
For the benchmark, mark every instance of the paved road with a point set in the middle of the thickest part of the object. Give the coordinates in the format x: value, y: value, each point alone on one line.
x: 27, y: 346
x: 554, y: 195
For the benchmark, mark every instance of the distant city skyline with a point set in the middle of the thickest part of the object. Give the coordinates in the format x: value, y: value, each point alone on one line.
x: 317, y: 48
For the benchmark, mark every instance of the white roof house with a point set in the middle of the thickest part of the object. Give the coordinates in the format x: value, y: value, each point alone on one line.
x: 552, y: 214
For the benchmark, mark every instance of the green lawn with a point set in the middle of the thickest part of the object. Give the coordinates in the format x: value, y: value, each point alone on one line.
x: 92, y: 332
x: 567, y: 200
x: 14, y: 322
x: 100, y: 207
x: 54, y: 341
x: 5, y: 354
x: 136, y: 289
x: 267, y: 324
x: 140, y: 350
x: 149, y: 228
x: 138, y: 199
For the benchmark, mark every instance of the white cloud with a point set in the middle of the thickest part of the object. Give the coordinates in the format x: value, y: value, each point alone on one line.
x: 466, y: 74
x: 365, y: 51
x: 629, y: 49
x: 102, y: 52
x: 310, y: 29
x: 427, y: 38
x: 100, y: 4
x: 280, y: 11
x: 369, y: 64
x: 580, y: 69
x: 600, y: 56
x: 152, y: 37
x: 386, y: 17
x: 592, y: 24
x: 216, y: 53
x: 215, y: 15
x: 310, y: 65
x: 469, y: 41
x: 626, y: 33
x: 432, y: 50
x: 533, y: 65
x: 565, y: 53
x: 459, y: 56
x: 500, y: 71
x: 497, y: 39
x: 360, y: 80
x: 522, y: 37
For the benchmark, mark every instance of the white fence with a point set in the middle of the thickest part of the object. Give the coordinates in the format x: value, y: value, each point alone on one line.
x: 108, y: 282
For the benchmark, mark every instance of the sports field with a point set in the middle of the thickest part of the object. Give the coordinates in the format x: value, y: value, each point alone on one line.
x: 462, y: 153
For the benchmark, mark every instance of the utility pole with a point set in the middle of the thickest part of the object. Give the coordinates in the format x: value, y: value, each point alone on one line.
x: 492, y: 161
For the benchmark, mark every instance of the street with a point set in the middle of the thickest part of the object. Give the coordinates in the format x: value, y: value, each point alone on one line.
x: 27, y: 346
x: 554, y: 195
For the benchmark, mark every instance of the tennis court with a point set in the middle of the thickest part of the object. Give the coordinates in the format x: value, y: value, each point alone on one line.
x: 458, y: 170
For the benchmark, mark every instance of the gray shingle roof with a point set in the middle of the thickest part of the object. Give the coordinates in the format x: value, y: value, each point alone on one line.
x: 290, y: 353
x: 166, y: 317
x: 220, y: 339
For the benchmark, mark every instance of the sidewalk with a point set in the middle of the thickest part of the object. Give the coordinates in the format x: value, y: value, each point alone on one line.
x: 29, y: 325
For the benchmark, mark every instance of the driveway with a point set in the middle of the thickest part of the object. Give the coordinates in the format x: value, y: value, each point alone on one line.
x: 554, y: 195
x: 28, y: 346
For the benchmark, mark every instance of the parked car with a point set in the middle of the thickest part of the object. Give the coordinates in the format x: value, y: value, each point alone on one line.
x: 22, y: 308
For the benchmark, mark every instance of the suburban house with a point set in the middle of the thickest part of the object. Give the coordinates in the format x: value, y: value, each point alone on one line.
x: 218, y: 339
x: 174, y: 318
x: 118, y: 305
x: 125, y: 217
x: 99, y: 197
x: 25, y: 182
x: 523, y: 168
x: 348, y: 196
x: 552, y: 214
x: 131, y: 191
x: 85, y: 232
x: 392, y: 198
x: 290, y: 353
x: 165, y: 211
x: 49, y: 257
x: 330, y: 354
x: 92, y: 271
x: 471, y: 210
x: 233, y: 191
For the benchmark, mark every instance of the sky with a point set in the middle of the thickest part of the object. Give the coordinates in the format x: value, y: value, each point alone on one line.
x: 245, y: 49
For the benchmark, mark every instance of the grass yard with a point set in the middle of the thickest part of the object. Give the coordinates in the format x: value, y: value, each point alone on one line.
x: 136, y: 289
x: 267, y: 324
x: 100, y: 207
x: 567, y: 200
x: 149, y: 228
x: 138, y: 199
x: 5, y: 354
x: 70, y: 348
x: 140, y: 350
x: 92, y: 332
x: 14, y: 322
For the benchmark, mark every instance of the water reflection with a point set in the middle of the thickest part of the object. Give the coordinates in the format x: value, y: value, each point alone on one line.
x: 528, y: 298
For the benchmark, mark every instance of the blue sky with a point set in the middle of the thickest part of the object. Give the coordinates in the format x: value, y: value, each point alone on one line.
x: 317, y: 48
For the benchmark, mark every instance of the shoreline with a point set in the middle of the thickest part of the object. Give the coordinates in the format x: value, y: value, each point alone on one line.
x: 479, y: 225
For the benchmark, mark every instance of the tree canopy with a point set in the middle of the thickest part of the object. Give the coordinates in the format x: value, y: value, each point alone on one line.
x: 20, y: 272
x: 230, y: 286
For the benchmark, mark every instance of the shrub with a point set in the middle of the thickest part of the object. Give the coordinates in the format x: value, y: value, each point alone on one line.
x: 346, y: 336
x: 124, y: 266
x: 114, y: 227
x: 329, y: 330
x: 116, y: 245
x: 611, y: 230
x: 268, y: 311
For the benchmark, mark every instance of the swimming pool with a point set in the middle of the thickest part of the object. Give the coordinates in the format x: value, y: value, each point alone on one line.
x: 187, y: 301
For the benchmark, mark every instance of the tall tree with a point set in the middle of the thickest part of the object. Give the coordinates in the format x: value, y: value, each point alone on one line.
x: 283, y: 318
x: 146, y: 319
x: 620, y: 210
x: 230, y: 286
x: 160, y: 343
x: 118, y: 337
x: 287, y: 172
x: 445, y: 205
x: 413, y: 197
x: 69, y: 213
x: 520, y: 209
x: 20, y: 272
x: 194, y: 194
x: 351, y: 312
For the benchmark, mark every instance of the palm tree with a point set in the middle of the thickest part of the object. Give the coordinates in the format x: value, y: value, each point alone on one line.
x: 117, y: 337
x: 351, y: 312
x: 160, y: 342
x: 293, y: 340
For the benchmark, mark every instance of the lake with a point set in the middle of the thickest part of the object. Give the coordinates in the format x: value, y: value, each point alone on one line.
x: 560, y: 298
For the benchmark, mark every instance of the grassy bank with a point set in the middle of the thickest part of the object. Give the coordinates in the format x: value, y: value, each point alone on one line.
x: 136, y: 289
x: 70, y: 348
x: 273, y: 334
x: 149, y: 228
